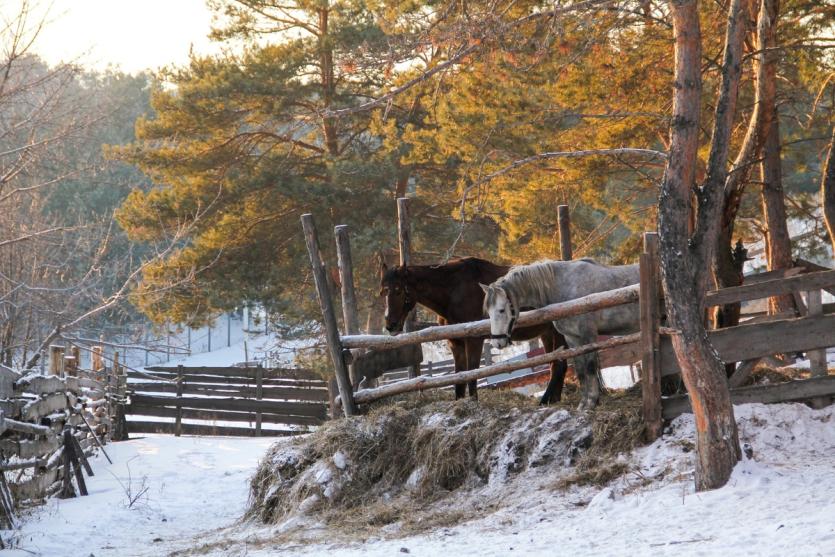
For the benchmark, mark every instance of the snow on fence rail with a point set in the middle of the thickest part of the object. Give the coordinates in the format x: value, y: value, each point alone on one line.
x: 50, y: 424
x: 211, y: 397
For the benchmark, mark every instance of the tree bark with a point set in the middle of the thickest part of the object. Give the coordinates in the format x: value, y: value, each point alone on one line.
x: 828, y: 191
x: 685, y: 258
x: 778, y: 243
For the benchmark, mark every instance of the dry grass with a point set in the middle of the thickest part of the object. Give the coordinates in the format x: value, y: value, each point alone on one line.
x: 408, y: 453
x: 617, y: 428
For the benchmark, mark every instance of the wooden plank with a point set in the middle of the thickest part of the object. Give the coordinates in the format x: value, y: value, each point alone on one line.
x: 564, y: 225
x: 29, y: 448
x: 767, y: 289
x: 178, y: 420
x: 35, y: 487
x: 746, y: 342
x: 404, y: 242
x: 37, y: 409
x: 476, y: 329
x: 241, y: 372
x: 200, y: 429
x: 817, y: 358
x: 329, y: 317
x: 273, y: 393
x: 8, y: 378
x: 772, y: 275
x: 259, y: 395
x: 350, y: 314
x: 266, y: 406
x: 215, y: 415
x: 801, y: 389
x: 216, y: 380
x: 623, y: 355
x: 40, y: 385
x: 424, y: 382
x: 650, y: 316
x: 374, y: 363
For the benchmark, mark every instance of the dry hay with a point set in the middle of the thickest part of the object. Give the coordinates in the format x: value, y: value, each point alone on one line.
x: 393, y: 463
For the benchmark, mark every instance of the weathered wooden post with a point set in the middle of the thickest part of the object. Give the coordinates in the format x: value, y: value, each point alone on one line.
x: 564, y: 225
x: 404, y: 240
x: 97, y: 362
x: 817, y: 358
x: 259, y: 394
x: 178, y: 421
x: 323, y: 292
x: 650, y: 340
x: 56, y: 359
x: 350, y: 315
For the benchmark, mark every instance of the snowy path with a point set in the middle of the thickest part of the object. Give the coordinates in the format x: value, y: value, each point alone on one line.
x: 781, y: 503
x: 194, y: 484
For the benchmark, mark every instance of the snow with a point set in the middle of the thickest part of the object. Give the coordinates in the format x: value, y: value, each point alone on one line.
x: 193, y: 484
x: 780, y: 502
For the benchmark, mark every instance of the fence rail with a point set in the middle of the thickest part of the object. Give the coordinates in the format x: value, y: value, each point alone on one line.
x: 208, y: 395
x: 812, y: 331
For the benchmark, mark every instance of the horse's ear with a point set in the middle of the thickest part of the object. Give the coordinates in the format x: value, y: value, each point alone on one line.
x: 484, y: 287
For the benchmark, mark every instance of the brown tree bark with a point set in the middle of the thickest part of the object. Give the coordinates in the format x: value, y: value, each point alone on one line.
x: 828, y: 191
x: 685, y: 257
x: 778, y: 243
x: 329, y: 123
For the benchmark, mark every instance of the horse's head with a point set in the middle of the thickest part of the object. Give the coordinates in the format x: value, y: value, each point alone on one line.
x: 502, y: 312
x: 399, y: 300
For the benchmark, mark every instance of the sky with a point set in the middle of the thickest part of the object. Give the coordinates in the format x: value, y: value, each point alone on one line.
x: 133, y: 35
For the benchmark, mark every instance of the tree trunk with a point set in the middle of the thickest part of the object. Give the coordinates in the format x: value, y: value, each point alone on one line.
x: 828, y: 191
x: 685, y: 259
x: 778, y: 248
x: 329, y: 124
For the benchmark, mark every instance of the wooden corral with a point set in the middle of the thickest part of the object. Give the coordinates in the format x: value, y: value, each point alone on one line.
x: 763, y: 336
x: 49, y: 425
x: 207, y: 395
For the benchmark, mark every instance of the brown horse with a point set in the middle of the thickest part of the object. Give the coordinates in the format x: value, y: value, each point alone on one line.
x: 452, y: 291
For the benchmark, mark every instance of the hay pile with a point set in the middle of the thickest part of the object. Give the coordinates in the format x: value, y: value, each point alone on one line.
x: 416, y: 450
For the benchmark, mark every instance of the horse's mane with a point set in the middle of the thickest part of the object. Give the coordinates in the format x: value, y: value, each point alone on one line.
x: 534, y: 285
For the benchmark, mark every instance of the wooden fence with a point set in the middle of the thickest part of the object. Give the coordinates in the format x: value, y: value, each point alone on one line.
x: 813, y: 331
x: 211, y: 398
x: 49, y: 425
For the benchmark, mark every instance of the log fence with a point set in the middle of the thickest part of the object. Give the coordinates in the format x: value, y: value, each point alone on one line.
x: 218, y: 400
x: 813, y: 331
x: 49, y: 426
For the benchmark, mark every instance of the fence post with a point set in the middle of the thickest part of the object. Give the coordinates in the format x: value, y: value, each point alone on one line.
x: 349, y: 297
x: 817, y: 358
x: 97, y: 358
x: 404, y: 240
x: 210, y: 338
x: 329, y: 317
x: 564, y: 225
x: 56, y: 359
x: 178, y: 423
x: 259, y: 394
x: 228, y: 330
x: 650, y: 321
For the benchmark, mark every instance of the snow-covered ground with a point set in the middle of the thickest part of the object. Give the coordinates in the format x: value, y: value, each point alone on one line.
x: 780, y: 502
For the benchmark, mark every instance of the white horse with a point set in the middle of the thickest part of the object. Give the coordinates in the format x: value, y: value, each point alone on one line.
x: 548, y: 282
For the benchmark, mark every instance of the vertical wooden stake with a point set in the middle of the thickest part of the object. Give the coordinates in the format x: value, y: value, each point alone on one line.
x: 259, y: 394
x: 350, y: 315
x: 98, y: 358
x: 56, y: 359
x: 564, y: 224
x: 320, y: 277
x: 178, y: 421
x: 817, y: 358
x: 404, y: 240
x: 650, y: 322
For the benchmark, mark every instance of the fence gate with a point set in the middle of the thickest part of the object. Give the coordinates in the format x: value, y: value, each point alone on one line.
x: 225, y: 401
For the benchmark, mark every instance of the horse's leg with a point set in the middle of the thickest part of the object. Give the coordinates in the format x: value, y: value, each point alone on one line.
x: 459, y: 357
x: 587, y: 366
x: 553, y: 393
x: 474, y: 349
